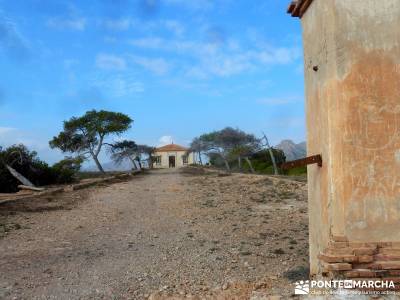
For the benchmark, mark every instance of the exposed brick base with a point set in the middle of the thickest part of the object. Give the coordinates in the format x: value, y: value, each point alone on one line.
x: 362, y: 261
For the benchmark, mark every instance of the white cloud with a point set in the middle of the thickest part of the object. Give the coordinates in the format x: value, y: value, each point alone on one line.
x: 225, y: 65
x: 148, y: 43
x: 280, y: 55
x: 172, y: 45
x: 118, y: 85
x: 165, y: 140
x: 127, y: 23
x: 196, y: 72
x: 278, y: 101
x: 110, y: 62
x: 159, y: 66
x: 119, y: 24
x: 219, y: 59
x: 78, y: 24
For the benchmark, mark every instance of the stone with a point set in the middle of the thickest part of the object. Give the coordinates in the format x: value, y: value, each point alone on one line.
x: 364, y: 251
x: 366, y: 273
x: 390, y: 251
x: 340, y: 251
x: 365, y: 258
x: 337, y: 258
x: 336, y: 245
x: 385, y: 265
x: 338, y: 267
x: 386, y: 257
x: 338, y: 238
x: 351, y: 274
x: 394, y: 272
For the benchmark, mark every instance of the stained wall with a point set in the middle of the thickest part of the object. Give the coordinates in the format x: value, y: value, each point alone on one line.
x: 352, y: 71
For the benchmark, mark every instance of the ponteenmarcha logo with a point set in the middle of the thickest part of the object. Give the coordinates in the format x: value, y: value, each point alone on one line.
x: 305, y: 287
x: 302, y: 287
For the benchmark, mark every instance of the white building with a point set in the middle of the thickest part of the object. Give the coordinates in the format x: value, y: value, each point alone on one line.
x: 172, y: 156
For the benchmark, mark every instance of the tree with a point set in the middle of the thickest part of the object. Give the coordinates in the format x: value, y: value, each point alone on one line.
x: 86, y: 135
x: 147, y: 151
x: 246, y: 145
x: 228, y: 143
x: 244, y: 151
x: 199, y: 147
x: 271, y: 154
x: 125, y: 150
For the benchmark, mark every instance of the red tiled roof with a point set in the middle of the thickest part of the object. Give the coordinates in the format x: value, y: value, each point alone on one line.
x: 171, y: 147
x: 297, y: 8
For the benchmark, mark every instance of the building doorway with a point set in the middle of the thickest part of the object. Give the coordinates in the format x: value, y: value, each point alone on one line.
x: 172, y: 161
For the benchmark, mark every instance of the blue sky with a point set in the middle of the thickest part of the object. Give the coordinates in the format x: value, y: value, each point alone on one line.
x: 179, y: 68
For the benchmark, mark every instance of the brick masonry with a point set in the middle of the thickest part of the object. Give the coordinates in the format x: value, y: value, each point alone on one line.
x: 361, y: 260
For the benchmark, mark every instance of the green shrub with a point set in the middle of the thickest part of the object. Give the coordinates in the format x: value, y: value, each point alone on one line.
x: 297, y: 171
x: 264, y: 156
x: 26, y: 163
x: 35, y: 170
x: 65, y: 171
x: 261, y: 161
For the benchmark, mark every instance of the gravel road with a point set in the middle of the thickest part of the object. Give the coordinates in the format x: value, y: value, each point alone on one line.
x: 166, y: 234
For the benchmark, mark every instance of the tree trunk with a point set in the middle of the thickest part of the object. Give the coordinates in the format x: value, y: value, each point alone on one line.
x: 201, y: 162
x: 140, y: 164
x: 240, y: 163
x: 96, y: 160
x: 228, y: 168
x: 250, y: 164
x: 31, y: 188
x: 271, y: 153
x: 133, y: 163
x: 18, y: 176
x: 273, y: 161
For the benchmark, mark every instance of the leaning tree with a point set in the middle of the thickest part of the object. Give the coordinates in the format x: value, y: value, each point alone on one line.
x: 198, y: 146
x: 243, y: 146
x: 229, y: 143
x: 86, y: 135
x: 125, y: 150
x: 147, y: 151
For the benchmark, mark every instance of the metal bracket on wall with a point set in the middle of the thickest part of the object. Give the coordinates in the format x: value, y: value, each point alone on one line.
x: 315, y: 159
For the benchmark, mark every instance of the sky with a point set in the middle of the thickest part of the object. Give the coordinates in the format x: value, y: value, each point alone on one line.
x: 178, y: 68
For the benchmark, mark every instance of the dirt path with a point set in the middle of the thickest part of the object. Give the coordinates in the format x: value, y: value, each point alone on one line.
x: 159, y: 234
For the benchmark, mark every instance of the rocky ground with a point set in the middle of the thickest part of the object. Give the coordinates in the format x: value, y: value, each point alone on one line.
x: 168, y: 234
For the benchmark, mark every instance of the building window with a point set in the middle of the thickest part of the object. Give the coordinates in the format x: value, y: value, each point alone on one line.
x: 185, y: 159
x: 158, y: 160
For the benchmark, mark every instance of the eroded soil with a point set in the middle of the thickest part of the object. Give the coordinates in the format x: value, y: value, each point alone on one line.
x: 176, y: 234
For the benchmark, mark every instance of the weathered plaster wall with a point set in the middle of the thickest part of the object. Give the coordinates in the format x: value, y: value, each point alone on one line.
x: 178, y: 159
x: 317, y: 37
x: 353, y: 120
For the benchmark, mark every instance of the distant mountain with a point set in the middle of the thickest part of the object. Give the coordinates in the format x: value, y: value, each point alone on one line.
x: 293, y: 151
